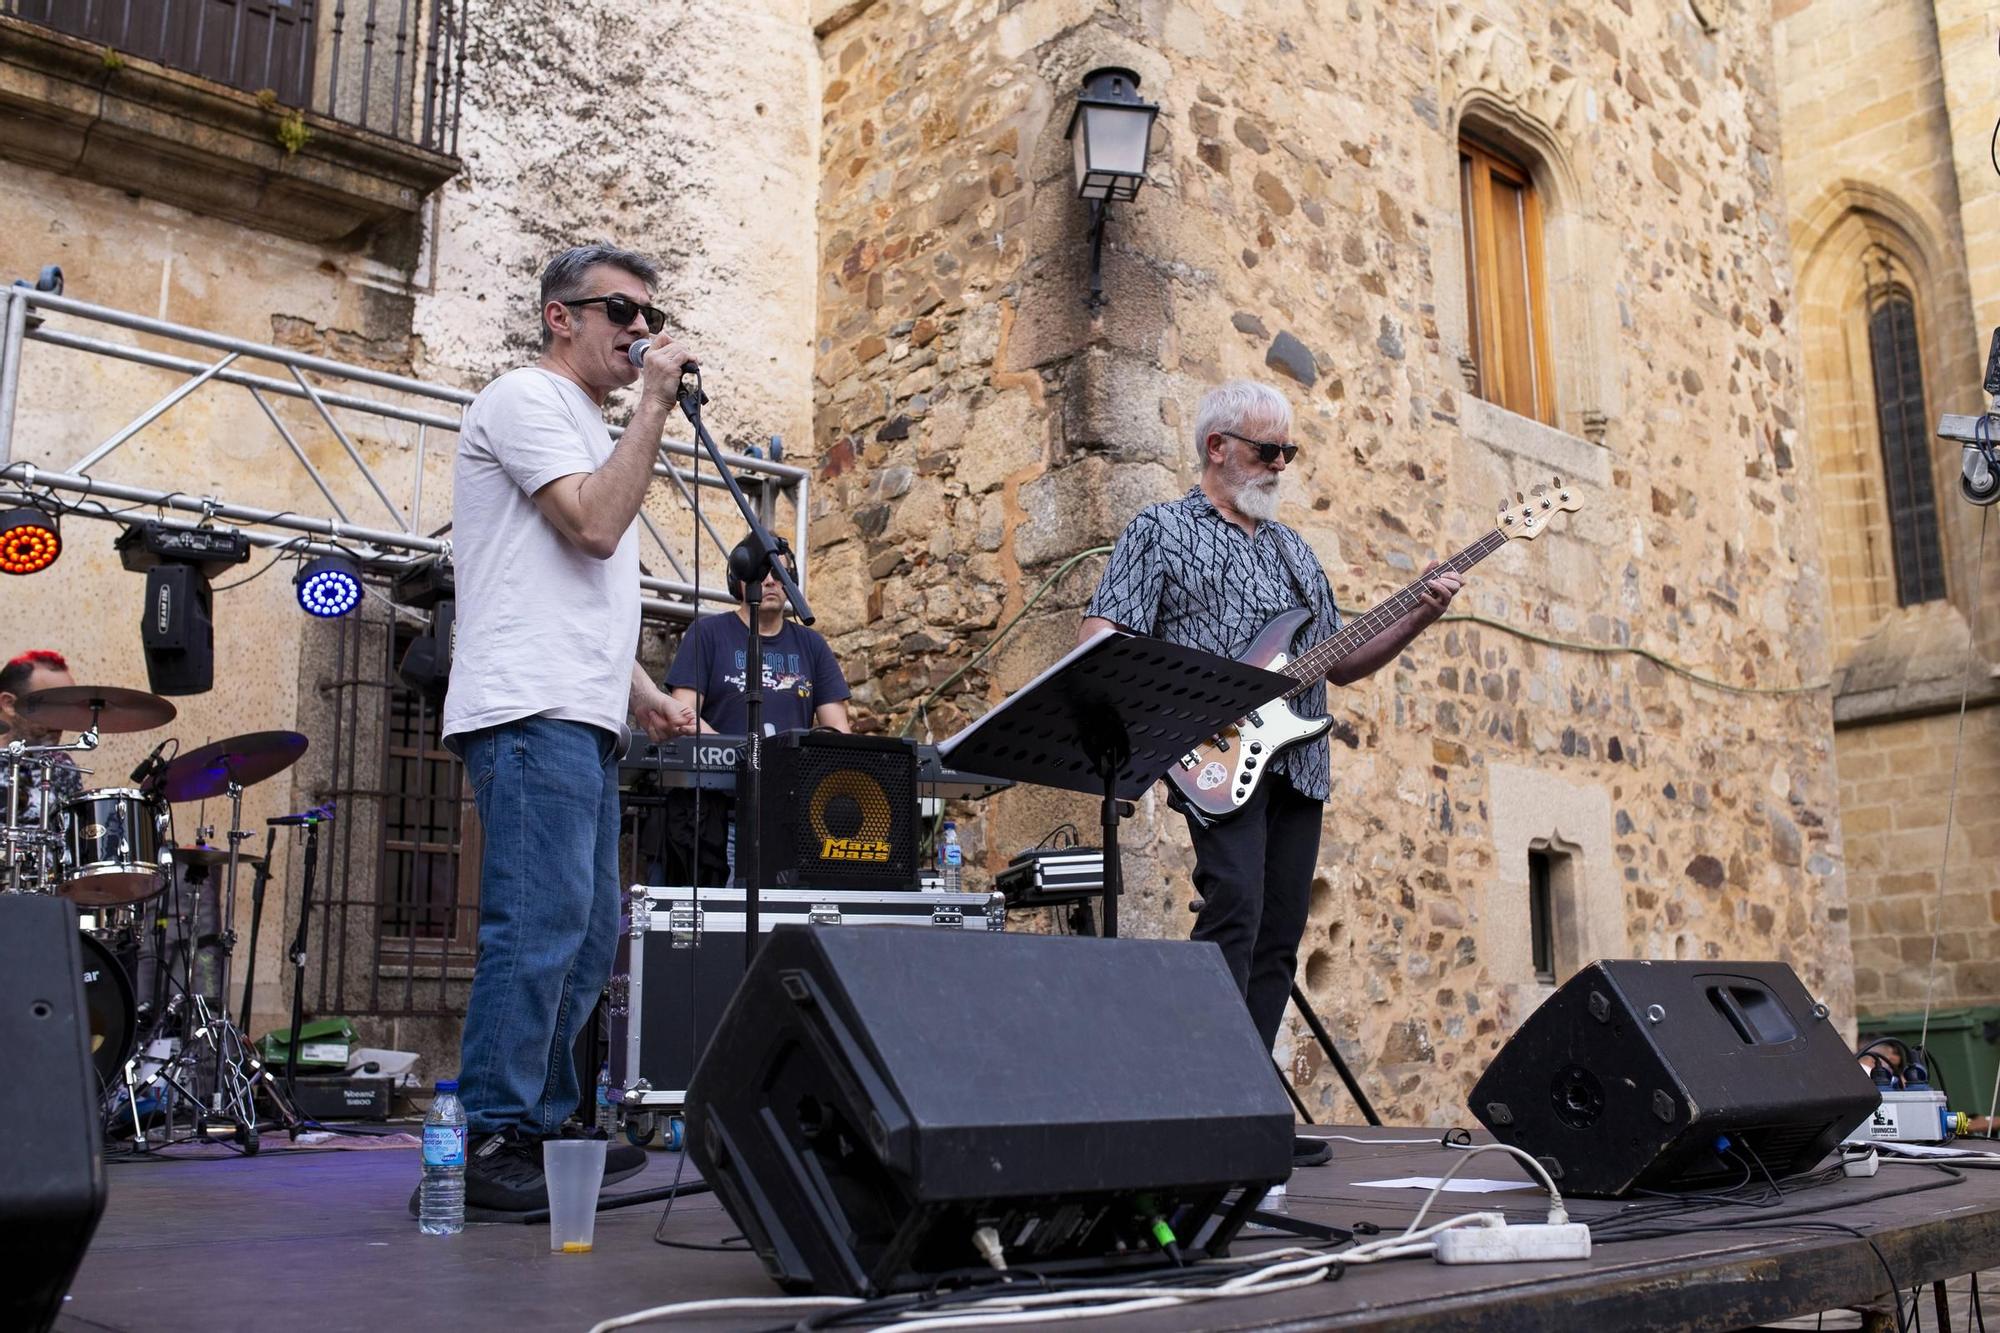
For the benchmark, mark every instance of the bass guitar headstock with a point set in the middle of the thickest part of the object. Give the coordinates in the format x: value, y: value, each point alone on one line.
x: 1529, y: 514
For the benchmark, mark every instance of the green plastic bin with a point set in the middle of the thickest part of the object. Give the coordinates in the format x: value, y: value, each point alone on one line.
x: 1964, y: 1046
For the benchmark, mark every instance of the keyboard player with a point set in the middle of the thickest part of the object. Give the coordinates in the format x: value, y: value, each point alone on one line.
x: 803, y: 683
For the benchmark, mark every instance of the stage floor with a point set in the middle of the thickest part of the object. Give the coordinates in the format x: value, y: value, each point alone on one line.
x: 322, y: 1240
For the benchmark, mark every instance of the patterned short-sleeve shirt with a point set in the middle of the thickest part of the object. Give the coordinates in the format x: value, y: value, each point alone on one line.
x: 1184, y: 573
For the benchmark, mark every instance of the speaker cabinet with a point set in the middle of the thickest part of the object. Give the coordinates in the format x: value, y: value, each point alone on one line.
x: 1663, y: 1075
x: 52, y: 1172
x: 876, y: 1095
x: 840, y: 811
x: 177, y: 633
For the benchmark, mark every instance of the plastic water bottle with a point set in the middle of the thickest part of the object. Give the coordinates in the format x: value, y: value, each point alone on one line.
x: 441, y: 1199
x: 951, y: 859
x: 604, y: 1097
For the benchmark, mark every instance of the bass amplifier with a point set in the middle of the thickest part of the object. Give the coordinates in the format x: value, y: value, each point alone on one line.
x: 840, y: 811
x: 680, y: 958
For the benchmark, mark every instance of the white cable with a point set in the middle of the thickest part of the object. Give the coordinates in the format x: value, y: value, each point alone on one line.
x: 753, y: 1304
x: 1309, y: 1267
x: 1557, y: 1214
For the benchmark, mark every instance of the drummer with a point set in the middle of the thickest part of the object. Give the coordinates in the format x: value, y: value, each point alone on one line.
x: 37, y: 669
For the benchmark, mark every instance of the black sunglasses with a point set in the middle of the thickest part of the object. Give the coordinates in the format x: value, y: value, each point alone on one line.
x: 620, y: 309
x: 1267, y: 451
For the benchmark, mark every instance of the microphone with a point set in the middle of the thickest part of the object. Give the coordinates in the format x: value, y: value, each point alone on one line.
x: 636, y: 353
x: 150, y: 767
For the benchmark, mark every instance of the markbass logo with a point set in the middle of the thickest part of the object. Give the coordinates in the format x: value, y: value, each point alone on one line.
x: 872, y: 851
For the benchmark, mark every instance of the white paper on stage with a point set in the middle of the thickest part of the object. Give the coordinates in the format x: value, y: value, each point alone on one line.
x: 1457, y: 1185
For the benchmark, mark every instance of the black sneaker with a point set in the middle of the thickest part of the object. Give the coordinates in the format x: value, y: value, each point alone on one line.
x: 1310, y: 1152
x: 503, y: 1174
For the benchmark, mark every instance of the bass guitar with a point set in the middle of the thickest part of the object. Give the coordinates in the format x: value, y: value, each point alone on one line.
x: 1219, y: 777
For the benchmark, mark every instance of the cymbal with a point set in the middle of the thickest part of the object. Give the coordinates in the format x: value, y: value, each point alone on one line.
x: 244, y: 760
x: 70, y: 708
x: 202, y: 854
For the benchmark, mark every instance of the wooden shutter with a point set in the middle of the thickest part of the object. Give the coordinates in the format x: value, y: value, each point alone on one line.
x: 1506, y: 290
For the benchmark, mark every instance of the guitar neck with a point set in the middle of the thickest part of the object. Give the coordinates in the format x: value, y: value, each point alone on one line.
x: 1311, y: 667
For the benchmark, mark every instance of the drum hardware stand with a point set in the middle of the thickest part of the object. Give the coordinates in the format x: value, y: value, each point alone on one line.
x: 311, y: 822
x: 18, y: 755
x: 260, y: 875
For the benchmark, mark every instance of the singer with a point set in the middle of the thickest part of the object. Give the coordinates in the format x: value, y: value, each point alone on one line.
x: 543, y: 512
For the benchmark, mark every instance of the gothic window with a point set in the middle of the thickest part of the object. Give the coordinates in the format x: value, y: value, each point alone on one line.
x: 1506, y: 287
x: 1900, y: 420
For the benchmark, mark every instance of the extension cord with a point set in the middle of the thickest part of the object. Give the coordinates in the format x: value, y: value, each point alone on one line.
x: 1529, y: 1243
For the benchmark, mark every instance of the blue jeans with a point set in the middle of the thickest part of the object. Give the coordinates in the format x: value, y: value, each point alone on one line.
x: 547, y: 793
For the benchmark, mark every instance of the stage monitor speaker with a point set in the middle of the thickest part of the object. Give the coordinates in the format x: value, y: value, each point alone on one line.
x: 876, y: 1096
x: 176, y: 631
x: 52, y: 1172
x: 1670, y: 1075
x: 840, y: 811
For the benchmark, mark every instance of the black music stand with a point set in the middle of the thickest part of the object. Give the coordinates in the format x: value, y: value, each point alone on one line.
x: 1111, y: 718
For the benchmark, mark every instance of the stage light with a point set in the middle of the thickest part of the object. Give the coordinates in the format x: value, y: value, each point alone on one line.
x: 1111, y: 131
x: 329, y: 586
x: 30, y: 541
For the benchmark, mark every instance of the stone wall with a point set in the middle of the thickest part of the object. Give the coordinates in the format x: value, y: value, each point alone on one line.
x: 978, y: 431
x: 1895, y: 785
x: 1887, y: 109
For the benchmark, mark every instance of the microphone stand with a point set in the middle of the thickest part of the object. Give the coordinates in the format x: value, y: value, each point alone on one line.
x: 751, y: 571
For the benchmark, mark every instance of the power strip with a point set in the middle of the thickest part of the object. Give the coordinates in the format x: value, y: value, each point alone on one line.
x: 1526, y: 1244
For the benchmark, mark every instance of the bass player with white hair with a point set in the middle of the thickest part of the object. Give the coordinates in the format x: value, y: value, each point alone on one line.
x: 1215, y: 570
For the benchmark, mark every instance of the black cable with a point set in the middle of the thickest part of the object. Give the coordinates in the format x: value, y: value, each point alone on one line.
x: 280, y: 554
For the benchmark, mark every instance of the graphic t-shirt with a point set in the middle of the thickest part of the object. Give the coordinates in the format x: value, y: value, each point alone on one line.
x: 800, y: 673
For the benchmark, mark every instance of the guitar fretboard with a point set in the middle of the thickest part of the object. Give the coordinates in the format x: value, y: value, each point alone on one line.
x: 1311, y: 667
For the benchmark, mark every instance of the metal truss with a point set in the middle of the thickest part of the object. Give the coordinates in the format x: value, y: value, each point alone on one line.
x: 341, y: 399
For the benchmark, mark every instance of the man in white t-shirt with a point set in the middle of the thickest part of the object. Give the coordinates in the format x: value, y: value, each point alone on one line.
x: 543, y: 674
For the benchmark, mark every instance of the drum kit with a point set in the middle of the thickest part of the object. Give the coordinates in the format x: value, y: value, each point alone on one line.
x: 172, y: 1065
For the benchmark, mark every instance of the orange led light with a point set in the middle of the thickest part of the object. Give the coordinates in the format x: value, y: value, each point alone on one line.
x: 29, y: 542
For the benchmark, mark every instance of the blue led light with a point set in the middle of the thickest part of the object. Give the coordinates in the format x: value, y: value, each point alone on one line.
x: 328, y: 587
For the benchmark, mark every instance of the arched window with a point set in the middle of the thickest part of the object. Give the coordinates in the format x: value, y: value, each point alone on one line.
x: 1901, y: 423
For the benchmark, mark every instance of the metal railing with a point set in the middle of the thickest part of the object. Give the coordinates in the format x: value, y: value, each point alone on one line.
x: 395, y: 67
x: 312, y: 394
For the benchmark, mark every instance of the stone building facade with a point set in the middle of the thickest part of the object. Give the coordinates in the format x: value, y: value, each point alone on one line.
x: 1887, y: 116
x: 868, y: 217
x: 978, y: 430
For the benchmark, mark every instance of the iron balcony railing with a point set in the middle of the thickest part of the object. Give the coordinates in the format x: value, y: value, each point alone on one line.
x: 395, y: 67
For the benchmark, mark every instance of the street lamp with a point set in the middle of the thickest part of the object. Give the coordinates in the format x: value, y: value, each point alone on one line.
x: 1111, y: 131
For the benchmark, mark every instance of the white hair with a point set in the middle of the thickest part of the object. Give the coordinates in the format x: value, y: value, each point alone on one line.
x: 1235, y: 406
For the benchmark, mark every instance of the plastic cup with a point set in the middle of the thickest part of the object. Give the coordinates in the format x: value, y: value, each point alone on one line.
x: 574, y: 1169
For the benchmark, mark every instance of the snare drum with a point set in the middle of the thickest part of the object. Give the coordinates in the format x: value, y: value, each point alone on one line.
x: 118, y: 848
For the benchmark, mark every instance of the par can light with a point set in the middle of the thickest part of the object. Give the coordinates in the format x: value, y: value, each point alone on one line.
x: 329, y: 586
x: 29, y: 540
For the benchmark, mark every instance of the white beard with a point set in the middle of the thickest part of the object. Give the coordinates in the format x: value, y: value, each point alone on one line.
x: 1259, y: 499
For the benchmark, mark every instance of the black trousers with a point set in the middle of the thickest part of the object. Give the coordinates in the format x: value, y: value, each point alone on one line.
x: 1254, y: 874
